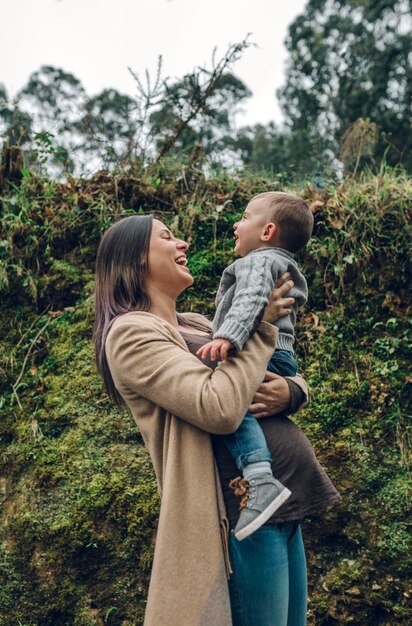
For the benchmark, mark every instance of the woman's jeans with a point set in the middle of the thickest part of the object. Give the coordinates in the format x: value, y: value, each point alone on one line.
x: 269, y: 584
x: 248, y: 444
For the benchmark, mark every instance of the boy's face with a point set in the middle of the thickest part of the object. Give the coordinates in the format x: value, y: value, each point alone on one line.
x: 250, y: 228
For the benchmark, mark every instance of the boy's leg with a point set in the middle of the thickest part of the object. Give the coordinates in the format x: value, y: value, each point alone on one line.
x: 283, y: 362
x: 265, y: 494
x: 248, y: 444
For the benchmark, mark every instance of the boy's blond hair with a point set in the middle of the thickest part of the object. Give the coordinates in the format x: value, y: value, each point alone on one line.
x: 292, y: 216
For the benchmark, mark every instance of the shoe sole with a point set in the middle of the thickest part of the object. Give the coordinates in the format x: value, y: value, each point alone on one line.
x: 264, y: 516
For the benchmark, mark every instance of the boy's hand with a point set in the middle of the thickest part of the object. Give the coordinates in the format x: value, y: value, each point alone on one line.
x: 217, y: 347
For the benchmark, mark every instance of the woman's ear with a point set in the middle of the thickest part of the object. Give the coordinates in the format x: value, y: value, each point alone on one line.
x: 268, y: 232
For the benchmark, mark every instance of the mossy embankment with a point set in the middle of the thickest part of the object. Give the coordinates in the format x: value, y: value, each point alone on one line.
x: 79, y: 501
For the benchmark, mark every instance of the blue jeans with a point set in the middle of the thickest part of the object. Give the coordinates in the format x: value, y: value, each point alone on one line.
x: 269, y: 583
x: 248, y: 444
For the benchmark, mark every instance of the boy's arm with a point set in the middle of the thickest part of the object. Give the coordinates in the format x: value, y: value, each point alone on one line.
x: 255, y: 279
x: 218, y: 348
x: 227, y: 279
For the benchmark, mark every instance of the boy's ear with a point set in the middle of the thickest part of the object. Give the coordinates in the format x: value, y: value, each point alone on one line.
x: 268, y: 232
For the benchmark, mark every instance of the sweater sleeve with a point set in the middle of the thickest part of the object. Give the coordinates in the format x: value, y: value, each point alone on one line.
x: 255, y: 279
x: 146, y: 360
x: 223, y: 285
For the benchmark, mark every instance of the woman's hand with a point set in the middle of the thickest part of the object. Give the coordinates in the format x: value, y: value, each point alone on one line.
x: 273, y: 396
x: 278, y: 306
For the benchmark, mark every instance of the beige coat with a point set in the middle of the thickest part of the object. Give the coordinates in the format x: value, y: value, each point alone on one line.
x: 176, y: 401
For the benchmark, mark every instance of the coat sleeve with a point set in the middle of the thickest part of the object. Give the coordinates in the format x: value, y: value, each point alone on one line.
x: 255, y: 279
x: 147, y: 361
x: 301, y: 383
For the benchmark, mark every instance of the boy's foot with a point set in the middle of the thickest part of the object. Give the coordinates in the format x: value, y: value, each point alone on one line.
x: 262, y: 496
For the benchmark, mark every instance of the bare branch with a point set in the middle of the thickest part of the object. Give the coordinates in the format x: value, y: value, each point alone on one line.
x: 205, y: 90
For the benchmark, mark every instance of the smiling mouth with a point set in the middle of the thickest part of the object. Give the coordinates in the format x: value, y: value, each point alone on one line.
x: 182, y: 261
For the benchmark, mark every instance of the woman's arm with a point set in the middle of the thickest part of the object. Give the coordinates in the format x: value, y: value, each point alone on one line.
x: 147, y: 360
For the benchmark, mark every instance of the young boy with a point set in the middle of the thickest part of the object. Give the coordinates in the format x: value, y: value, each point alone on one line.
x: 273, y: 227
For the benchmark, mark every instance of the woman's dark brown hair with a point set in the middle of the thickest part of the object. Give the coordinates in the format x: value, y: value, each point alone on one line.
x: 120, y: 287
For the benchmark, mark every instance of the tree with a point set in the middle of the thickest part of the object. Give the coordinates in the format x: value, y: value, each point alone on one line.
x: 55, y: 96
x: 109, y: 125
x: 178, y: 131
x: 268, y: 149
x: 349, y: 59
x: 198, y: 109
x: 54, y: 99
x: 15, y: 124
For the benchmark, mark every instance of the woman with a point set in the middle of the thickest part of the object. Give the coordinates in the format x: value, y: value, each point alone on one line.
x: 177, y: 402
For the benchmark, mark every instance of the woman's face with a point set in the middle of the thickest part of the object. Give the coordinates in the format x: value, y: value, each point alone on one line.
x: 167, y: 271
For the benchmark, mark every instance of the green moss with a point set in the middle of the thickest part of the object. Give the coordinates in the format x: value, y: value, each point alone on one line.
x: 79, y: 498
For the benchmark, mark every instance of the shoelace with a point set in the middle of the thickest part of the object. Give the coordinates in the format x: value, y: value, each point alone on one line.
x: 241, y: 488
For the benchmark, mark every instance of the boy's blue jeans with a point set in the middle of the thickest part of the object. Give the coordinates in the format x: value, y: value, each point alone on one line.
x: 248, y: 444
x: 269, y: 583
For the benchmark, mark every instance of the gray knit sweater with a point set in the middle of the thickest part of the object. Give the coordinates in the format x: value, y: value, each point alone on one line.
x: 244, y: 291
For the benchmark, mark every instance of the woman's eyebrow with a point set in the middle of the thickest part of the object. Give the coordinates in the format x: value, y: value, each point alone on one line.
x: 165, y: 230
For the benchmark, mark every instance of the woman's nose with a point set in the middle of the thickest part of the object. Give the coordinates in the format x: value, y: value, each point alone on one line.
x: 183, y: 245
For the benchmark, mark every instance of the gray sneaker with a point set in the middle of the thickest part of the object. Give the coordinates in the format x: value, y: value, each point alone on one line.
x: 262, y: 496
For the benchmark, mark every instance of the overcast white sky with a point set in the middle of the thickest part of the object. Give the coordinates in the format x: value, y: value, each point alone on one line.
x: 97, y: 40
